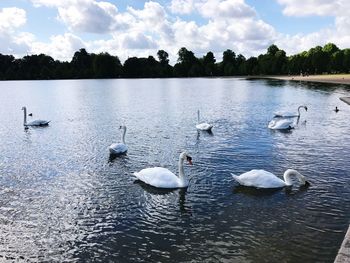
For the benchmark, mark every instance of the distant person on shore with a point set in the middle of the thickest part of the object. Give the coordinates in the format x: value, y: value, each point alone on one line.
x: 336, y: 109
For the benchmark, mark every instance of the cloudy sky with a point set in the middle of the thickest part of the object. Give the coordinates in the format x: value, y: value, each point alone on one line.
x: 140, y: 28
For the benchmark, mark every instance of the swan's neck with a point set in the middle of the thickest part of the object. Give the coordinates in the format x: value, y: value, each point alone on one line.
x: 123, y: 135
x: 198, y: 115
x: 299, y: 110
x: 25, y: 116
x: 182, y: 175
x: 287, y: 176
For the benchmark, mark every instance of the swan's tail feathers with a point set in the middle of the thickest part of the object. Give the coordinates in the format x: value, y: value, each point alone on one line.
x: 236, y: 177
x: 135, y: 174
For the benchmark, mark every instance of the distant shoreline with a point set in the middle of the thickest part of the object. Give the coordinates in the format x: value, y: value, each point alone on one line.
x: 328, y: 78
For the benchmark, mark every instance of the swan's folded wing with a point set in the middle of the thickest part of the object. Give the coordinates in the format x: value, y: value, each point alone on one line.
x: 118, y: 148
x: 38, y: 123
x: 281, y: 124
x: 204, y: 126
x: 260, y: 179
x: 158, y: 177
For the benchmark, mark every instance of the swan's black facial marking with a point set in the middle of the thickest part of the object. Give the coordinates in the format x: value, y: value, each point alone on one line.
x: 189, y: 159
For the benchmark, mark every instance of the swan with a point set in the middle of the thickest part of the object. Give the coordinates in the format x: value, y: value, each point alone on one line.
x: 264, y: 179
x: 203, y: 126
x: 290, y: 114
x: 163, y: 178
x: 281, y: 124
x: 33, y: 123
x: 119, y: 148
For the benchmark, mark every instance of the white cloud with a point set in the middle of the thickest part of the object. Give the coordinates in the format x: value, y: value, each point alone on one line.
x: 88, y: 15
x: 138, y: 41
x: 93, y: 17
x: 12, y: 41
x: 11, y: 18
x: 213, y: 8
x: 182, y: 6
x: 315, y: 7
x: 61, y: 47
x: 225, y: 9
x: 59, y: 3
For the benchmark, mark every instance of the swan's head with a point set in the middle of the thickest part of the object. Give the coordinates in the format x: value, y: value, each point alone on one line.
x: 23, y: 108
x: 185, y: 156
x: 122, y: 127
x: 305, y: 107
x: 299, y: 176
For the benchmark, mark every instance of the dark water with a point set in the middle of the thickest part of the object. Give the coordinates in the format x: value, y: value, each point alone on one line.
x: 63, y: 199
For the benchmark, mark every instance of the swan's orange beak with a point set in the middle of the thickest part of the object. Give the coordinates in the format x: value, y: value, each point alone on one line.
x: 189, y: 160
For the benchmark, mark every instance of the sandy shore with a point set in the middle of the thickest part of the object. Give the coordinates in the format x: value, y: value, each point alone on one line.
x: 336, y: 78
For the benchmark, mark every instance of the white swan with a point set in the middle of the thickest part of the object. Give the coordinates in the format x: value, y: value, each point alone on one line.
x: 119, y: 148
x: 163, y: 178
x: 281, y: 124
x: 33, y: 123
x: 264, y: 179
x: 203, y: 126
x: 290, y: 114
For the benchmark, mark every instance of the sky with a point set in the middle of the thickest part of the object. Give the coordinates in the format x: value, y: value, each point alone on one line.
x: 59, y: 28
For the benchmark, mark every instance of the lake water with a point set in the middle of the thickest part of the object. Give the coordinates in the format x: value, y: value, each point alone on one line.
x: 62, y: 198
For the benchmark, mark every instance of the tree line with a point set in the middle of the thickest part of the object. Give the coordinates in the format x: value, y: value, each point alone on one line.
x: 84, y: 65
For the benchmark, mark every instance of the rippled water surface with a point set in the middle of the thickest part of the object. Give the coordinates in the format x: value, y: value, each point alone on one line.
x: 62, y: 198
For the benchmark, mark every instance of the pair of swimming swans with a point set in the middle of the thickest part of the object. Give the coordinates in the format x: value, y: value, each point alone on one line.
x: 163, y: 178
x: 32, y: 123
x: 284, y: 120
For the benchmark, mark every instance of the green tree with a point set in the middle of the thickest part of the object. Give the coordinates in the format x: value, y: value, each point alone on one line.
x: 228, y: 65
x: 6, y: 63
x: 346, y: 60
x: 209, y: 64
x: 164, y: 69
x: 272, y: 50
x: 188, y: 65
x: 240, y: 62
x: 106, y: 66
x: 251, y: 66
x: 337, y: 61
x: 163, y: 57
x: 330, y: 48
x: 81, y: 64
